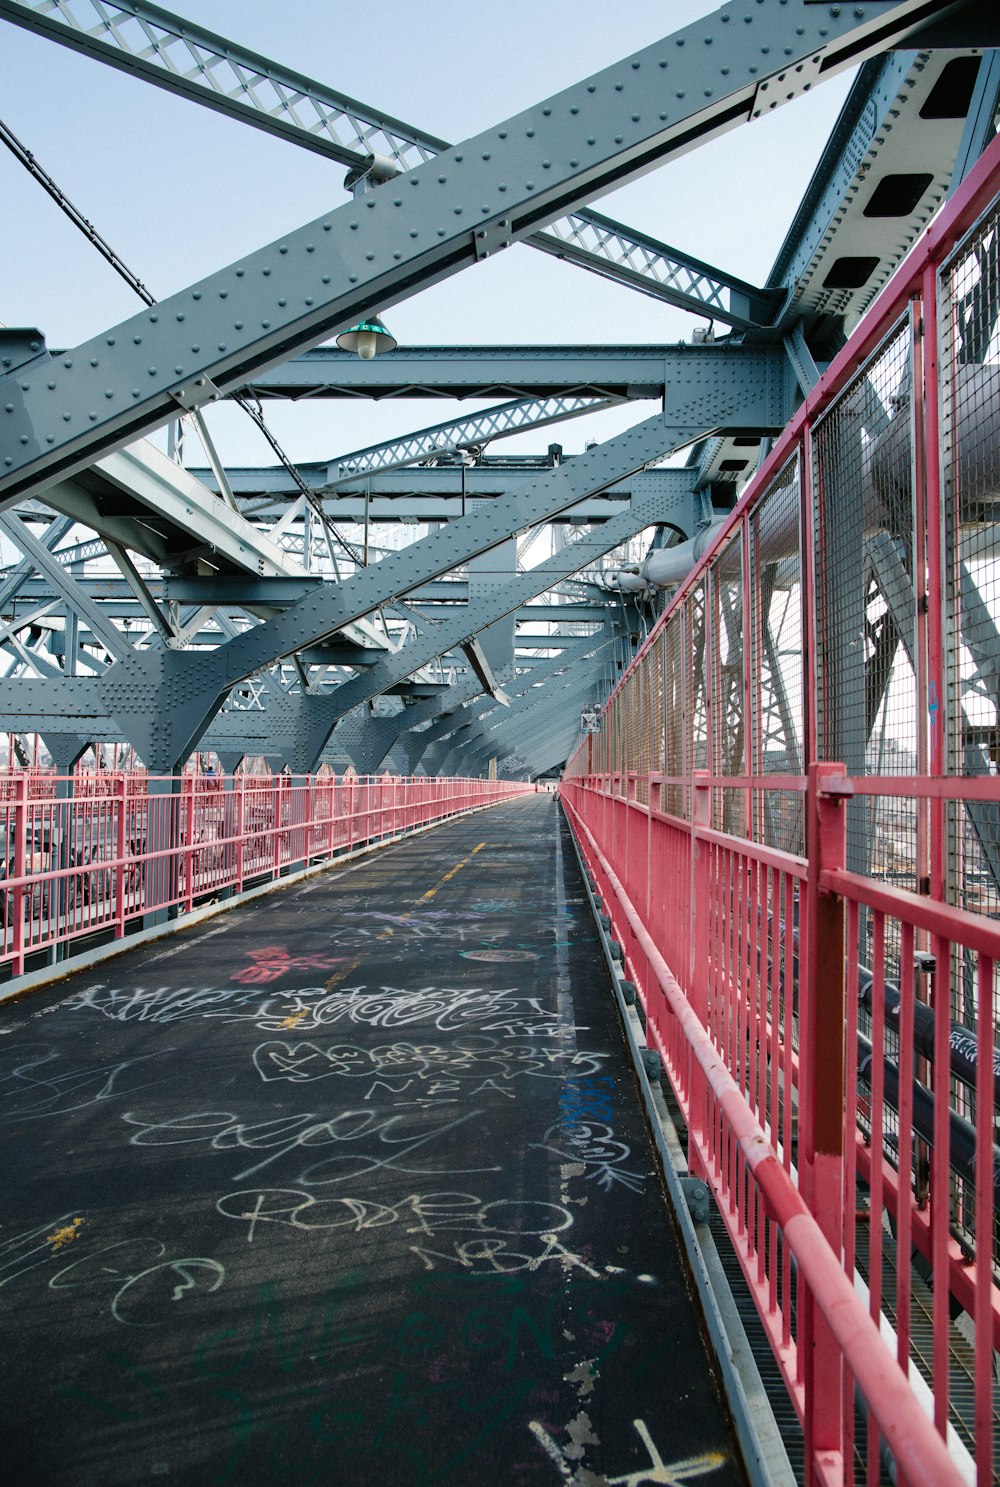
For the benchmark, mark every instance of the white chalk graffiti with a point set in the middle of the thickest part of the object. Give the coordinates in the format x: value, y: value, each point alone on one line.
x: 595, y: 1147
x: 424, y: 1213
x: 34, y: 1085
x: 374, y: 1141
x: 666, y: 1474
x: 445, y: 1008
x: 504, y: 1237
x: 428, y: 1073
x: 141, y: 1278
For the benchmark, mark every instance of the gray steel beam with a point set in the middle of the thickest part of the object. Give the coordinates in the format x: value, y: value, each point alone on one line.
x: 445, y: 215
x: 981, y: 123
x: 444, y: 715
x: 469, y: 372
x: 323, y: 712
x: 184, y: 691
x: 474, y: 430
x: 179, y: 56
x: 453, y: 711
x: 540, y: 702
x: 555, y: 716
x: 15, y: 579
x: 182, y: 57
x: 860, y: 119
x: 66, y: 586
x: 493, y: 733
x: 886, y: 135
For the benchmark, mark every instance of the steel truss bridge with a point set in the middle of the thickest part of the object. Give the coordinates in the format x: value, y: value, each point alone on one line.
x: 807, y: 745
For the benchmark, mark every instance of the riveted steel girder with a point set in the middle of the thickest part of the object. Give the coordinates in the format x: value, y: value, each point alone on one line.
x: 469, y: 372
x: 323, y: 712
x: 143, y: 500
x: 464, y: 703
x: 188, y: 688
x: 179, y: 56
x: 555, y: 715
x: 838, y: 252
x: 729, y: 389
x: 65, y: 585
x: 540, y: 702
x: 475, y: 430
x: 58, y: 415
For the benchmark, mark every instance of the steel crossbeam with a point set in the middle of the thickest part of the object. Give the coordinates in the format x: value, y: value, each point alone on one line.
x: 469, y: 372
x: 322, y: 713
x: 65, y: 585
x: 472, y: 431
x: 179, y: 56
x: 464, y: 701
x: 190, y: 687
x: 466, y: 204
x: 182, y: 57
x: 510, y: 728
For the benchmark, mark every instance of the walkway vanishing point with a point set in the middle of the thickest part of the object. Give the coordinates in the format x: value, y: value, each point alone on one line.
x: 349, y: 1186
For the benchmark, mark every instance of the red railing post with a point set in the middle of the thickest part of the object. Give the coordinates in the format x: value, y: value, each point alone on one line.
x: 121, y: 828
x: 241, y: 818
x: 698, y: 954
x: 822, y: 1021
x: 17, y: 906
x: 189, y: 786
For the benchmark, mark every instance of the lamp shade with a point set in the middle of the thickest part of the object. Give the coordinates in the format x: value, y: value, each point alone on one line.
x: 367, y: 340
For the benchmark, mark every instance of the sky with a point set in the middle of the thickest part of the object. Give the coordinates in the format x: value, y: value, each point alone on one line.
x: 180, y: 191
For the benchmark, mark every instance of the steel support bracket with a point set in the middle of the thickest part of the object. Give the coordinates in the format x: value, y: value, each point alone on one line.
x: 488, y: 240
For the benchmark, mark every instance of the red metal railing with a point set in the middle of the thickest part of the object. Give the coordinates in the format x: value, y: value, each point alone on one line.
x: 75, y: 865
x: 792, y: 812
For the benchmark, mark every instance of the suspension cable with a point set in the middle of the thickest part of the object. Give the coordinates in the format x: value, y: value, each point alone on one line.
x: 243, y: 398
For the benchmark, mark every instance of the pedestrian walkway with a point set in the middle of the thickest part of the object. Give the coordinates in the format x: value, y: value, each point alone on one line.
x: 349, y: 1186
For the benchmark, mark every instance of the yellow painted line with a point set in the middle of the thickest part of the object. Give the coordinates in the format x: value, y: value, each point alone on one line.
x: 344, y: 971
x: 385, y: 934
x: 295, y: 1019
x: 457, y: 868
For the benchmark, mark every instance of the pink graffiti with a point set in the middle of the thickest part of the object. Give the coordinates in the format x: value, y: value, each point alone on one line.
x: 274, y: 960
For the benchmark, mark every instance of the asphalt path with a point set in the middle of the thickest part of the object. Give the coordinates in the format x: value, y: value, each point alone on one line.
x: 348, y: 1186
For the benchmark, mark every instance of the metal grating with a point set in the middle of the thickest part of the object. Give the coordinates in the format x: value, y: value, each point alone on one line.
x: 697, y: 697
x: 675, y: 695
x: 969, y: 308
x: 866, y: 709
x: 728, y: 695
x: 776, y: 658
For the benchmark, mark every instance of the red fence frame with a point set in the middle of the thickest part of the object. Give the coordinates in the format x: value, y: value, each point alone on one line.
x: 828, y: 1161
x: 78, y: 863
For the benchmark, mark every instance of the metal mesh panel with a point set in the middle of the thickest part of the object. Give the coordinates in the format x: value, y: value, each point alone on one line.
x: 776, y: 658
x: 630, y: 728
x: 641, y: 710
x: 866, y: 605
x: 969, y: 291
x: 697, y: 698
x: 655, y: 721
x: 675, y: 798
x: 728, y: 697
